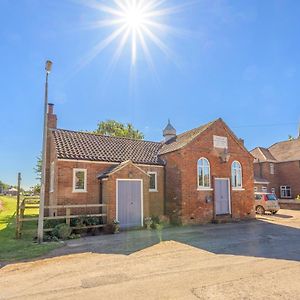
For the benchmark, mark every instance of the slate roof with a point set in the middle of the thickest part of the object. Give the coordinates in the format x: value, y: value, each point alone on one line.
x: 183, y: 139
x: 262, y: 154
x: 94, y: 147
x: 286, y: 151
x: 279, y: 152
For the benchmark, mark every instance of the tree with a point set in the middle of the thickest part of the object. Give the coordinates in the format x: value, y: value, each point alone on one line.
x: 38, y: 167
x: 117, y: 129
x: 3, y: 186
x: 36, y: 189
x: 291, y: 138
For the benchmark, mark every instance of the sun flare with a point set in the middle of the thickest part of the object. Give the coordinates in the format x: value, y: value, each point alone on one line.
x: 134, y: 22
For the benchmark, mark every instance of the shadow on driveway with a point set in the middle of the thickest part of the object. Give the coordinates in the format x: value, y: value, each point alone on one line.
x: 255, y: 238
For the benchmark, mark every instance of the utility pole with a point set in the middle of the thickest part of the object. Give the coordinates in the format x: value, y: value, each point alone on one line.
x: 44, y: 156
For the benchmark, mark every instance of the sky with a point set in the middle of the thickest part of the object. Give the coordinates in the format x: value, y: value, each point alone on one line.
x: 238, y: 60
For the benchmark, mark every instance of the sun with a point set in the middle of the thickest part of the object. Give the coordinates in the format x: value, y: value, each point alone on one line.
x: 133, y: 22
x: 134, y: 18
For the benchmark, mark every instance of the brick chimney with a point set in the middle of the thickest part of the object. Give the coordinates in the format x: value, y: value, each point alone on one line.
x: 52, y: 118
x: 242, y: 141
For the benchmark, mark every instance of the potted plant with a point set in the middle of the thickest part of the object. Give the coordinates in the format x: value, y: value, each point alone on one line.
x: 148, y: 222
x: 116, y: 226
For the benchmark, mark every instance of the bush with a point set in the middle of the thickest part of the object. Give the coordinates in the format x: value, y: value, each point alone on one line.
x: 53, y: 223
x: 84, y: 221
x: 76, y: 222
x: 62, y: 231
x: 160, y: 221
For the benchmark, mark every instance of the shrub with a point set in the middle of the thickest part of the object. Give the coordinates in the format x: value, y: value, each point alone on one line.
x: 84, y: 221
x: 53, y: 223
x: 62, y: 231
x: 76, y: 222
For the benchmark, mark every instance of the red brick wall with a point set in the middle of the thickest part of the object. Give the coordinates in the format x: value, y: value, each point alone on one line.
x: 110, y: 184
x: 156, y: 199
x: 289, y: 174
x: 64, y: 184
x: 63, y: 191
x: 286, y: 173
x: 182, y: 195
x: 262, y: 169
x: 173, y: 185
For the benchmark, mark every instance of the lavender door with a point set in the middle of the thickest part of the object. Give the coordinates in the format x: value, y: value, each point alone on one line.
x: 222, y: 201
x: 129, y: 206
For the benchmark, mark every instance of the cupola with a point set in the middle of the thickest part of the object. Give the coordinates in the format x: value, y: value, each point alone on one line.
x: 169, y: 132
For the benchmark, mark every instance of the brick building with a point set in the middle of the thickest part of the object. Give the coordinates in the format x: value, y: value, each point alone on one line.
x: 194, y: 177
x: 277, y: 168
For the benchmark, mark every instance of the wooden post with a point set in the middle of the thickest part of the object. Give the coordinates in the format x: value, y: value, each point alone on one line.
x: 21, y: 215
x: 18, y: 231
x: 68, y: 213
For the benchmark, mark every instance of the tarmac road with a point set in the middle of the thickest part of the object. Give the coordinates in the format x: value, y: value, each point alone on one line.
x: 248, y: 260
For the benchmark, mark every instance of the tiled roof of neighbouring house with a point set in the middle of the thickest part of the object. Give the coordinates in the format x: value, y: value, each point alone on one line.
x: 262, y: 154
x: 287, y: 150
x: 95, y: 147
x: 279, y: 152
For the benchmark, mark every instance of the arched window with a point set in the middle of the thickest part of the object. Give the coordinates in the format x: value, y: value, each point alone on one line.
x: 203, y: 173
x: 236, y: 175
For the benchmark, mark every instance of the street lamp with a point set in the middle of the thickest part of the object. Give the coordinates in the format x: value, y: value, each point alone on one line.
x: 48, y: 68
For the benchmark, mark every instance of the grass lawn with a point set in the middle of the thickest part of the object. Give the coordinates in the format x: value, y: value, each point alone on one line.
x: 25, y: 248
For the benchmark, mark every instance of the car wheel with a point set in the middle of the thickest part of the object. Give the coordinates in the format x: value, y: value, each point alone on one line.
x: 274, y: 212
x: 260, y: 210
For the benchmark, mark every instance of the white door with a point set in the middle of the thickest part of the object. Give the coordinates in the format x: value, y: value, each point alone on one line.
x: 129, y: 203
x: 222, y: 196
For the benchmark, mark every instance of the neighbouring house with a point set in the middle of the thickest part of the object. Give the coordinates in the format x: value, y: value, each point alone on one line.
x: 194, y: 177
x: 11, y: 192
x: 277, y: 168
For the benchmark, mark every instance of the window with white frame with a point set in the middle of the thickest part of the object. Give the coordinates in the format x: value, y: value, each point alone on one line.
x: 272, y: 169
x: 255, y: 189
x: 203, y: 173
x: 153, y: 181
x: 236, y: 175
x: 285, y: 191
x: 79, y: 180
x: 273, y: 191
x: 52, y: 177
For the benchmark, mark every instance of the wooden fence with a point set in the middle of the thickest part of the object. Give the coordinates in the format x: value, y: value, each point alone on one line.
x: 31, y: 203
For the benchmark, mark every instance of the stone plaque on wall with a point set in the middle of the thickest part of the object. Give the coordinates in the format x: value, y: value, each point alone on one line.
x: 220, y: 142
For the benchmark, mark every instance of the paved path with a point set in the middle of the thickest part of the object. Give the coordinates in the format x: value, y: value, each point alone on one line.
x: 252, y: 260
